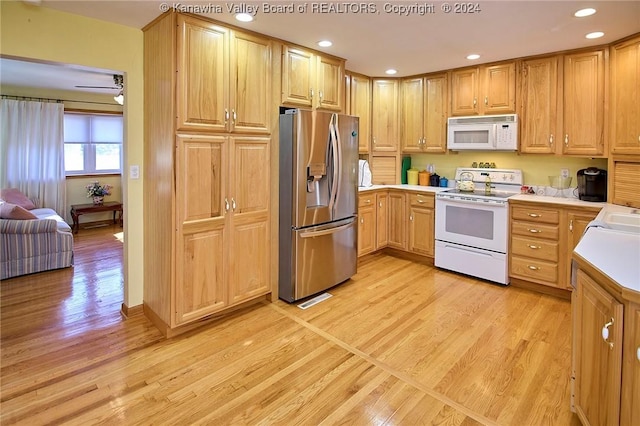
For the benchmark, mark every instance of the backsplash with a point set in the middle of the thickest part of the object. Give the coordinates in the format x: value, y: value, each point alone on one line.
x: 536, y: 169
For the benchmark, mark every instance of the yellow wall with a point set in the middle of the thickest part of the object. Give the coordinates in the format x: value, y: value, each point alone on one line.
x: 44, y: 34
x: 535, y: 168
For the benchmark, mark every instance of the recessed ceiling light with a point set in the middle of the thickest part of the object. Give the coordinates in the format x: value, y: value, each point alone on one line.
x: 244, y: 17
x: 584, y: 12
x: 390, y: 71
x: 473, y: 56
x: 324, y: 43
x: 595, y: 34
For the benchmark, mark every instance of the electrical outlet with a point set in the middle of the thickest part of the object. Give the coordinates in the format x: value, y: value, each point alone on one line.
x: 564, y: 173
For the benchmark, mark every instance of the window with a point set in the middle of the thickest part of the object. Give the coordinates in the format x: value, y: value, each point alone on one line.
x: 92, y: 143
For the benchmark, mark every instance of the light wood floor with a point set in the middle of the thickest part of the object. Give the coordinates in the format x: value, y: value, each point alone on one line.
x: 400, y: 343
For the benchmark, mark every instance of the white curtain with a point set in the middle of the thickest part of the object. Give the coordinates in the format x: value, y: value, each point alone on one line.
x: 32, y: 150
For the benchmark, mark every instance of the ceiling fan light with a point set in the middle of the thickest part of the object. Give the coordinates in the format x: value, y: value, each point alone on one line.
x: 119, y: 98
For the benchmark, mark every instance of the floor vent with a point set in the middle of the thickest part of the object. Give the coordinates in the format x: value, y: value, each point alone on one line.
x: 309, y: 303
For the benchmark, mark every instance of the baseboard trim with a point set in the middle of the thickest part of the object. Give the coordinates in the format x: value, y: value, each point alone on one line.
x: 132, y: 311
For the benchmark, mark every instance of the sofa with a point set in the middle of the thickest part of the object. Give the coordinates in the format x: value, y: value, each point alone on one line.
x: 31, y: 239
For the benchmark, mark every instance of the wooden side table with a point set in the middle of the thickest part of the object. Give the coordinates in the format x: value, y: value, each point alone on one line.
x: 80, y: 209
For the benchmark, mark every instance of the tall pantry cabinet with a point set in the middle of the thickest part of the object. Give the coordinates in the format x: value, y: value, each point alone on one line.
x: 208, y: 123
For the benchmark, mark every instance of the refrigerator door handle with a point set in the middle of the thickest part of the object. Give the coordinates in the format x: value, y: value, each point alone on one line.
x: 327, y: 231
x: 334, y: 148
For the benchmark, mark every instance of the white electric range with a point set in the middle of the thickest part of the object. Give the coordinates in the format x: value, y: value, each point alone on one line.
x: 472, y: 227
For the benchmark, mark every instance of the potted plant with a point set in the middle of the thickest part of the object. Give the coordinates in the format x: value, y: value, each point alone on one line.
x: 97, y: 191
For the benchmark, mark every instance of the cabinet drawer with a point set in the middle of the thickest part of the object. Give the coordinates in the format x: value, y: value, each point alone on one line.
x: 534, y: 247
x: 535, y: 214
x: 366, y: 200
x: 536, y: 230
x: 534, y: 270
x: 420, y: 200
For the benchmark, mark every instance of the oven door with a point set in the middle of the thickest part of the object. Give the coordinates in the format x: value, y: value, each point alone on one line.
x: 476, y: 224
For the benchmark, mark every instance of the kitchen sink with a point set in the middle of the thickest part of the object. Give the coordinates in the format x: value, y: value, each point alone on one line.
x: 629, y: 222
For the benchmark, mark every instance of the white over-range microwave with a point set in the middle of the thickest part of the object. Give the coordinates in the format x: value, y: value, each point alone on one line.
x: 483, y: 133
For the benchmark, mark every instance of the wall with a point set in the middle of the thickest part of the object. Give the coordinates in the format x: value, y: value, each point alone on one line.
x: 535, y: 168
x: 43, y: 34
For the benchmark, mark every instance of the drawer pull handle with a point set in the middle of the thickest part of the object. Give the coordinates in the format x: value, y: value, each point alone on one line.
x: 420, y: 201
x: 605, y: 333
x: 534, y: 268
x: 534, y: 215
x: 531, y: 246
x: 380, y: 204
x: 535, y: 231
x: 638, y: 350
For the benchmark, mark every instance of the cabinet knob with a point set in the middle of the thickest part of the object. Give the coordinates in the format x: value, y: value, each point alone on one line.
x: 233, y: 115
x: 311, y: 93
x: 571, y: 225
x: 226, y: 116
x: 638, y: 353
x: 605, y: 333
x: 233, y: 204
x: 551, y: 139
x: 361, y: 220
x: 226, y: 205
x: 566, y: 140
x: 380, y: 204
x: 486, y: 100
x: 475, y: 102
x: 411, y: 218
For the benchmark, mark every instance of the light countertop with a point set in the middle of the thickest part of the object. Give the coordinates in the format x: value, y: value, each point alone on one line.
x: 419, y: 188
x: 614, y: 253
x: 569, y: 202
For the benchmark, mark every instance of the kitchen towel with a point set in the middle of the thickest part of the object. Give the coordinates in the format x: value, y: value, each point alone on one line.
x: 364, y: 173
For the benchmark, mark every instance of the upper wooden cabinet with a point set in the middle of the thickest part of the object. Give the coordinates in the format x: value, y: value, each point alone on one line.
x: 384, y: 115
x: 583, y: 103
x: 537, y: 105
x: 223, y: 79
x: 359, y: 104
x: 625, y: 97
x: 312, y: 80
x: 423, y: 112
x: 488, y: 89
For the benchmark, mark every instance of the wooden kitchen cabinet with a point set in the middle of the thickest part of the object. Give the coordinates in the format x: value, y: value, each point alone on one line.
x: 630, y: 395
x: 534, y: 248
x: 625, y: 97
x: 487, y: 89
x: 423, y: 113
x: 384, y: 116
x: 367, y: 223
x: 584, y: 104
x: 208, y: 212
x: 359, y: 104
x: 422, y: 224
x: 223, y: 79
x: 382, y: 219
x: 575, y: 222
x: 397, y: 220
x: 537, y: 105
x: 598, y: 359
x: 312, y: 80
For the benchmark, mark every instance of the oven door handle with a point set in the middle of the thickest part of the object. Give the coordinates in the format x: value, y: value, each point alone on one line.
x: 475, y: 203
x: 468, y: 250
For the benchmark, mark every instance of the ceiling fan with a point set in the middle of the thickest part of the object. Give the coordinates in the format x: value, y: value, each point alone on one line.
x: 118, y: 84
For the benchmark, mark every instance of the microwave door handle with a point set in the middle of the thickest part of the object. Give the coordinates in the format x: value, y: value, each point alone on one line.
x: 494, y: 140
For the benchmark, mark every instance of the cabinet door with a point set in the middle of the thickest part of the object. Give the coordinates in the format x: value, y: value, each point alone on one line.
x: 250, y: 101
x: 599, y: 361
x: 250, y: 213
x: 382, y: 220
x: 360, y: 106
x: 421, y: 227
x: 631, y: 378
x: 397, y: 221
x: 538, y: 106
x: 366, y: 229
x: 298, y: 76
x: 203, y: 75
x: 464, y: 92
x: 411, y: 114
x: 576, y: 224
x: 625, y: 97
x: 499, y: 85
x: 200, y: 287
x: 330, y: 75
x: 384, y: 116
x: 583, y: 110
x: 436, y: 100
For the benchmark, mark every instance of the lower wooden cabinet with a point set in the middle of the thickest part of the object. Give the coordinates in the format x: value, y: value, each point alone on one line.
x: 542, y: 240
x: 606, y: 350
x: 382, y: 219
x: 421, y: 224
x: 366, y: 223
x: 397, y: 220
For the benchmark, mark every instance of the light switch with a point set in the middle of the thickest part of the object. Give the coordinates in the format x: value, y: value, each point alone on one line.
x: 134, y: 172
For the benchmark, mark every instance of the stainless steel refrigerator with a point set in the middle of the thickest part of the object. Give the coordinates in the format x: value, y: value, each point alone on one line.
x: 318, y: 201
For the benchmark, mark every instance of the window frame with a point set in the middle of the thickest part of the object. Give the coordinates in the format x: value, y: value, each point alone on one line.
x: 89, y: 158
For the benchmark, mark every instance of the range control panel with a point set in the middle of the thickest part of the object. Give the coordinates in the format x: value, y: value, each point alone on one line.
x: 497, y: 176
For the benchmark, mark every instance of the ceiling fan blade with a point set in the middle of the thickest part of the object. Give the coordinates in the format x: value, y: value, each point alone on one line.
x: 98, y: 87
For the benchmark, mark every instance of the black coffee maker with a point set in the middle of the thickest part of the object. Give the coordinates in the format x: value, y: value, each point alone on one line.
x: 592, y: 184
